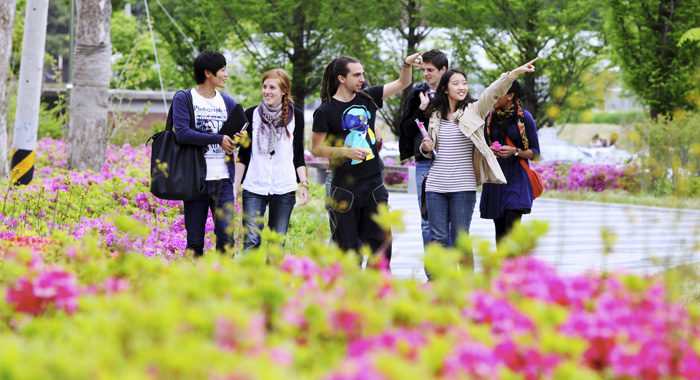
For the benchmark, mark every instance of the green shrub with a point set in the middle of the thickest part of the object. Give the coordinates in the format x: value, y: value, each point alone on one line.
x: 52, y: 121
x: 670, y: 157
x: 616, y: 117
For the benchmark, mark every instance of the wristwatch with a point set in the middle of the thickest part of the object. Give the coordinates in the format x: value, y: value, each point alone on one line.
x: 517, y: 151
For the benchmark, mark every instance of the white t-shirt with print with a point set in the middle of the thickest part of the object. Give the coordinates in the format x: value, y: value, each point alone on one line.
x: 210, y: 115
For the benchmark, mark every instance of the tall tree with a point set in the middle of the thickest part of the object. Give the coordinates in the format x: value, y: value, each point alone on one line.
x: 298, y: 36
x: 57, y: 33
x: 89, y: 99
x: 133, y: 60
x: 644, y: 36
x: 563, y: 33
x: 401, y: 26
x: 7, y: 22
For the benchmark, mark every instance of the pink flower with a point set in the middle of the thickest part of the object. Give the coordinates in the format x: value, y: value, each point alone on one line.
x: 348, y: 322
x: 500, y: 314
x: 356, y: 369
x: 472, y: 360
x: 49, y: 288
x: 231, y: 336
x: 115, y: 285
x: 496, y: 145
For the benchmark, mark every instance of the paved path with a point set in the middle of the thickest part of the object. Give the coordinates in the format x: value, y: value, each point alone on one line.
x: 648, y: 239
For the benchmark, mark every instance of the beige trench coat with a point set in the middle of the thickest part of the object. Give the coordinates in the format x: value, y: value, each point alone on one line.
x: 471, y: 122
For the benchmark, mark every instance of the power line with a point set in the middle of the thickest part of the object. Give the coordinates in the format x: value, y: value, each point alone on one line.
x: 187, y: 39
x: 208, y: 24
x: 153, y: 39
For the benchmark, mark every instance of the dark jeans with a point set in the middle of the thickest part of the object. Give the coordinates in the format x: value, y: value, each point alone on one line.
x: 254, y: 206
x: 449, y: 214
x: 329, y: 179
x: 505, y: 223
x: 219, y: 198
x: 351, y: 210
x: 422, y: 169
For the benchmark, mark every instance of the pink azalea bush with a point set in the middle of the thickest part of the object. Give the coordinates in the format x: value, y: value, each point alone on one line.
x: 93, y: 269
x: 394, y: 178
x: 596, y: 177
x: 49, y: 288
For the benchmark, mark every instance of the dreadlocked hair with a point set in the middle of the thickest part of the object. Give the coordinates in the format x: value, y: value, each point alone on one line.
x: 284, y: 84
x: 330, y: 82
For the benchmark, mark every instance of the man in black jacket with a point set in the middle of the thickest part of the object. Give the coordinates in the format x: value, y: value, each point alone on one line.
x: 434, y: 65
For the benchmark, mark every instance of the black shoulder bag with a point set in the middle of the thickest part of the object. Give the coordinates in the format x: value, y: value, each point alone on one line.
x: 178, y: 171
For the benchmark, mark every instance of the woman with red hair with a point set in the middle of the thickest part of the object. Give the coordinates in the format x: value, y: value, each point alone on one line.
x: 272, y: 166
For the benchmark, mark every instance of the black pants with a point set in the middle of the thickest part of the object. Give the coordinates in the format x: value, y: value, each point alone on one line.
x: 505, y: 223
x: 351, y: 209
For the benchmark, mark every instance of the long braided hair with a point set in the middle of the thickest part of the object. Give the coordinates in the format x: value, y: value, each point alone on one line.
x: 284, y: 83
x: 330, y: 82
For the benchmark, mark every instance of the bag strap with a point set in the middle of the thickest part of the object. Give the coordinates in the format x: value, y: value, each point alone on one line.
x: 522, y: 160
x: 169, y: 121
x: 188, y: 95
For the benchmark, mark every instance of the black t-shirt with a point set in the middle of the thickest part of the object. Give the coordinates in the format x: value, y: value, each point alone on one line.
x: 351, y: 124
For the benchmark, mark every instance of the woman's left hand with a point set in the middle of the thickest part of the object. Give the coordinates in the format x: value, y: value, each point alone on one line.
x: 303, y: 195
x: 506, y: 151
x: 526, y: 68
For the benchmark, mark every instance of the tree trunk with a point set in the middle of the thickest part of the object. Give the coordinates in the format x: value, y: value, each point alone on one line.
x: 89, y: 100
x: 413, y: 37
x: 301, y: 59
x: 7, y: 21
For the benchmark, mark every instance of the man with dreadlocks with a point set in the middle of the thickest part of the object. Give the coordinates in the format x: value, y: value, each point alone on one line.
x: 343, y: 130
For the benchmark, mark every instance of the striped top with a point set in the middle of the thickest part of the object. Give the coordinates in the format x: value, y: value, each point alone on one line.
x: 452, y: 170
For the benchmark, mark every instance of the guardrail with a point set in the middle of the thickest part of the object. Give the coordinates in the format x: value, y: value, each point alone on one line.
x: 317, y: 174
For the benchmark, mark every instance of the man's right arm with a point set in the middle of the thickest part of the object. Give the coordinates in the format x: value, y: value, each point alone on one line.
x: 319, y: 148
x: 181, y: 125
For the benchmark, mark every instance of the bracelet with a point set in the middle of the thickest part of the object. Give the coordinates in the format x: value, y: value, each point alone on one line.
x: 405, y: 64
x: 304, y: 184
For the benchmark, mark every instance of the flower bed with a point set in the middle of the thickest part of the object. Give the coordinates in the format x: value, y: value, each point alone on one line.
x: 94, y: 285
x: 578, y: 176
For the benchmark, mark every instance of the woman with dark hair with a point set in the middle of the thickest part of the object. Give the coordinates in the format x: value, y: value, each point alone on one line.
x: 273, y: 163
x: 464, y: 159
x: 509, y: 122
x: 344, y: 131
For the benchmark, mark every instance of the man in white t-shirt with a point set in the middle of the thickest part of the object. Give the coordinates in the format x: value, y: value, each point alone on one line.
x: 211, y: 109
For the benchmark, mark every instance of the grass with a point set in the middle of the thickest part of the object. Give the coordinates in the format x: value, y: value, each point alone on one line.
x: 624, y: 197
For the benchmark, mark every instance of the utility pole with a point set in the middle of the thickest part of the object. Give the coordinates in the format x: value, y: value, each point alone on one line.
x: 29, y: 91
x: 7, y: 22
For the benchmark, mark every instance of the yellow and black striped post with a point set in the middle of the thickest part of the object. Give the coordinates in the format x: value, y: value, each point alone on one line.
x: 22, y: 166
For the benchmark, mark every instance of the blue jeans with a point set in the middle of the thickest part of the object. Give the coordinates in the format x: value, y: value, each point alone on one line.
x: 254, y: 206
x: 449, y: 213
x: 422, y: 168
x: 219, y: 198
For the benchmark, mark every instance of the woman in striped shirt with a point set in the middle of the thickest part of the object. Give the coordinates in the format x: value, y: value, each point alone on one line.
x: 463, y: 159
